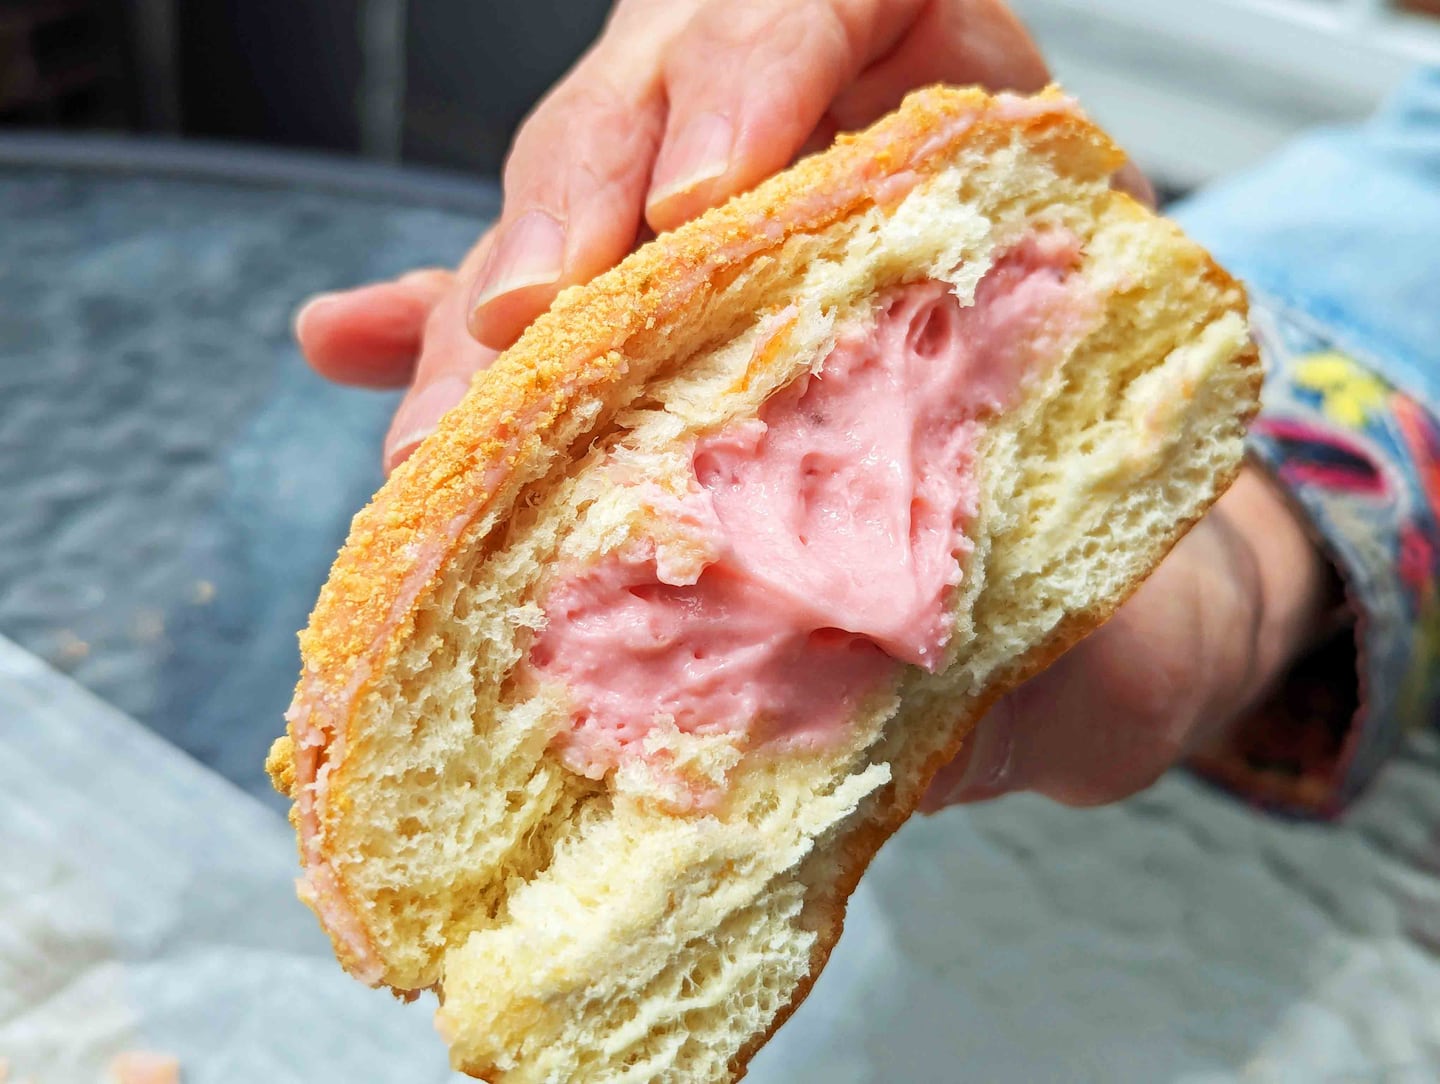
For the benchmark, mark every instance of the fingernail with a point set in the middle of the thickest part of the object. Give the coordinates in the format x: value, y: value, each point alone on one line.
x: 988, y: 773
x: 984, y: 768
x: 990, y: 766
x: 1131, y: 180
x: 700, y: 153
x: 531, y: 252
x: 308, y: 308
x: 937, y: 796
x: 420, y: 414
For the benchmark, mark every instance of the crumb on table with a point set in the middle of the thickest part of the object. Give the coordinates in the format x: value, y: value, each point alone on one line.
x: 144, y: 1067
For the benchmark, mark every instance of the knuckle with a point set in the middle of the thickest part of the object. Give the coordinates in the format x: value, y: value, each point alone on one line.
x: 748, y: 27
x: 594, y: 124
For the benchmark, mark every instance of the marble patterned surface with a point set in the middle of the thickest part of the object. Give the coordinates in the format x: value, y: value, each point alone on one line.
x: 175, y: 480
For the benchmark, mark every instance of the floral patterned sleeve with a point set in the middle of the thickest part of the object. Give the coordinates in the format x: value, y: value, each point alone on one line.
x: 1362, y: 461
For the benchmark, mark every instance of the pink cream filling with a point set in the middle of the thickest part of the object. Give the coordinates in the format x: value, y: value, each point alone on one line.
x: 836, y: 521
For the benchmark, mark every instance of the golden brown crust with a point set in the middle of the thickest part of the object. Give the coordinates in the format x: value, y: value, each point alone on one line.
x: 280, y: 765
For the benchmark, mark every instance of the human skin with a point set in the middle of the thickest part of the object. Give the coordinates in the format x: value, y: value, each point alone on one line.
x: 681, y: 104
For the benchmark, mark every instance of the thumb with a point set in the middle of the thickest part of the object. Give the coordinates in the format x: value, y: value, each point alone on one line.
x: 448, y: 359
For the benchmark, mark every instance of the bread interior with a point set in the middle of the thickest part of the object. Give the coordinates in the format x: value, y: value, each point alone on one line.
x: 585, y: 930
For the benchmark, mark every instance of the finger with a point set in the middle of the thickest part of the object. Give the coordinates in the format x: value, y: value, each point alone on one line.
x: 1086, y: 732
x: 748, y: 82
x: 1176, y: 661
x: 1132, y: 181
x: 1063, y: 734
x: 982, y: 765
x: 370, y: 335
x: 960, y: 42
x: 448, y: 359
x: 1122, y: 707
x: 574, y: 187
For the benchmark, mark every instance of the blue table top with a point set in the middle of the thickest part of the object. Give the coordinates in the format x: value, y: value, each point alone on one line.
x: 175, y: 481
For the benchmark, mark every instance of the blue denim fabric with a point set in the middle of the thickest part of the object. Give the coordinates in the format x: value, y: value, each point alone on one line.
x: 1344, y: 226
x: 1338, y: 238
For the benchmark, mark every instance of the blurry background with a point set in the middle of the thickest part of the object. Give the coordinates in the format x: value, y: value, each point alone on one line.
x: 1195, y: 88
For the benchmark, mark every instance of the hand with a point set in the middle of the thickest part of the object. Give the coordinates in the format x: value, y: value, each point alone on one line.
x: 1204, y: 638
x: 679, y: 105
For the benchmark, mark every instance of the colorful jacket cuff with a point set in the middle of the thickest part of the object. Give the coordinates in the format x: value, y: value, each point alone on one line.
x: 1361, y: 459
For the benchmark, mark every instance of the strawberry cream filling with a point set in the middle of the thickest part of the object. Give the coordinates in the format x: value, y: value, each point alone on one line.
x: 835, y: 524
